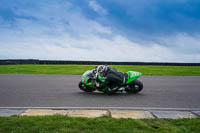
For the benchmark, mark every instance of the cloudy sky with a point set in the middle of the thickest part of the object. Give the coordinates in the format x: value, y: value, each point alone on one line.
x: 101, y: 30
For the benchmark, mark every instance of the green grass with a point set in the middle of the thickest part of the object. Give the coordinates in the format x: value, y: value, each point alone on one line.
x: 65, y: 124
x: 79, y: 69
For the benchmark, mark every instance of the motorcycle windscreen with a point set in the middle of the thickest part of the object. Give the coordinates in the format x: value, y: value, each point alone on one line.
x: 86, y: 76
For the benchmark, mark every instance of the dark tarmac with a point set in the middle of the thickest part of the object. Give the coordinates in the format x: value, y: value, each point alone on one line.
x: 62, y: 91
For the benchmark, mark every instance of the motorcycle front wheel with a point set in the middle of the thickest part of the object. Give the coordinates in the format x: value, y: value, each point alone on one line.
x: 85, y: 88
x: 135, y: 87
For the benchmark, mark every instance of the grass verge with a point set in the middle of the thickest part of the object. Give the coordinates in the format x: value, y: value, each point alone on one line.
x: 80, y: 69
x: 65, y: 124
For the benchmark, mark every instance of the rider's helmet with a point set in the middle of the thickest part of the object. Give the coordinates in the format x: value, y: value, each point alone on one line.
x: 101, y: 70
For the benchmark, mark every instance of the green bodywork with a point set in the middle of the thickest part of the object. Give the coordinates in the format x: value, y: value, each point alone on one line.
x: 85, y: 77
x: 102, y: 79
x: 132, y: 75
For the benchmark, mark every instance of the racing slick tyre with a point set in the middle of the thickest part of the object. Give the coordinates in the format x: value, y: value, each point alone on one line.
x: 134, y: 87
x: 85, y: 88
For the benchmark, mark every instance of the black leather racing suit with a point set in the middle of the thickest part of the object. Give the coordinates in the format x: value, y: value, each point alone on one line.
x: 113, y: 78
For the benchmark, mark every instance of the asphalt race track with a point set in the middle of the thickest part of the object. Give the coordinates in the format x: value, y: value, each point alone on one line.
x: 63, y: 91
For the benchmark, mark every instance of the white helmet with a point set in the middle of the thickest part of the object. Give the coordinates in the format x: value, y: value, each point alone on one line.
x: 101, y: 69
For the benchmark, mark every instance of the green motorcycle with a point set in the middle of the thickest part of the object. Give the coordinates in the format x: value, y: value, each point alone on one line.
x: 90, y: 82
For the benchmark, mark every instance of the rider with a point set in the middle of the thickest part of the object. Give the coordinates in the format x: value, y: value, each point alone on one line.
x: 112, y: 77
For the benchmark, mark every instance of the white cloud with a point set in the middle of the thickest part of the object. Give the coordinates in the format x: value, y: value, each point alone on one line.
x: 85, y: 39
x: 117, y: 48
x: 183, y: 42
x: 97, y: 7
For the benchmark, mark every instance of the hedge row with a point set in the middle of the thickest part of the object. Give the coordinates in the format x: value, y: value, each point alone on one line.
x: 33, y: 61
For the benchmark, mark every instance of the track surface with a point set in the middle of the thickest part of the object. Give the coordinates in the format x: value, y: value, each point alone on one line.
x: 63, y: 91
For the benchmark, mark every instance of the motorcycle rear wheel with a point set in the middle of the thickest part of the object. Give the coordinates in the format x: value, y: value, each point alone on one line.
x: 85, y: 88
x: 135, y: 87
